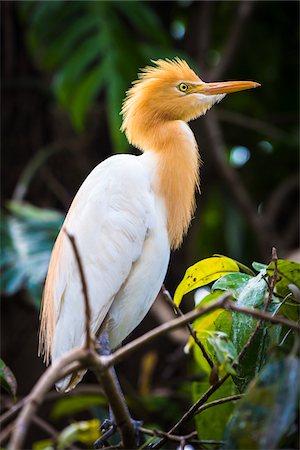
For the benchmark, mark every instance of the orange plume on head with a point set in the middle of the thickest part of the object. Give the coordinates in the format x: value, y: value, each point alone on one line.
x: 153, y: 99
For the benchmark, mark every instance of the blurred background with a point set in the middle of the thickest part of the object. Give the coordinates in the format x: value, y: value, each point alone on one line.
x: 65, y: 68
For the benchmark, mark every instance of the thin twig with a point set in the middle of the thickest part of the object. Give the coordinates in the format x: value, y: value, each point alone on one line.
x: 131, y: 347
x: 59, y: 369
x: 6, y: 432
x: 222, y: 302
x: 237, y: 28
x: 168, y: 436
x: 235, y: 185
x: 192, y: 332
x: 220, y: 401
x: 41, y: 423
x: 259, y: 126
x: 89, y: 341
x: 12, y: 411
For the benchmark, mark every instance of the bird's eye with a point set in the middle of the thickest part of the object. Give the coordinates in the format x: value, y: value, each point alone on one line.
x: 183, y: 87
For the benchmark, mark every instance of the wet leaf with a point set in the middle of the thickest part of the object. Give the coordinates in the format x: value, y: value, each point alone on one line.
x: 7, y: 379
x: 204, y: 272
x: 259, y: 266
x: 252, y: 296
x: 218, y: 320
x: 268, y: 409
x: 232, y: 282
x: 226, y: 354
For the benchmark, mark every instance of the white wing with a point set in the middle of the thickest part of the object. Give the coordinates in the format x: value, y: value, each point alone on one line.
x: 109, y: 218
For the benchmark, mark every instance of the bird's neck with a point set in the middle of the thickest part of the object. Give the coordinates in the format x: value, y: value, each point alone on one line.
x: 177, y: 173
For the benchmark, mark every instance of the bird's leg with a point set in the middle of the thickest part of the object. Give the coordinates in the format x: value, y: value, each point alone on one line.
x: 110, y: 381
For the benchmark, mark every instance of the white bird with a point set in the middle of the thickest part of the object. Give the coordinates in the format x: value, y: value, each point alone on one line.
x: 129, y: 212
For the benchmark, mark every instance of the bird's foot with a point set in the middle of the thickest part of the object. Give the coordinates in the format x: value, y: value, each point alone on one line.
x: 109, y: 428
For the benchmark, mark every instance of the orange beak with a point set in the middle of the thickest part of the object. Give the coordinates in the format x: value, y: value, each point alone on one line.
x: 225, y: 87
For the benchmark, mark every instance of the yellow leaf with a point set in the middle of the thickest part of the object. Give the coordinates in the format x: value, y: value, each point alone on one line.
x: 204, y: 272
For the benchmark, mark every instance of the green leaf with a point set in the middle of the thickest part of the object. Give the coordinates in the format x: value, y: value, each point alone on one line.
x: 85, y: 93
x: 258, y: 266
x: 232, y: 282
x: 74, y: 69
x: 145, y: 21
x: 27, y: 238
x: 204, y: 272
x: 7, y: 379
x: 86, y: 432
x: 268, y: 409
x: 226, y: 354
x: 252, y: 296
x: 45, y: 444
x: 72, y: 405
x: 218, y: 320
x: 288, y: 273
x: 211, y: 423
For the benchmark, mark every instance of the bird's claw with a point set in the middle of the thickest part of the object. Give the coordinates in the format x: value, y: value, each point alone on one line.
x: 109, y: 428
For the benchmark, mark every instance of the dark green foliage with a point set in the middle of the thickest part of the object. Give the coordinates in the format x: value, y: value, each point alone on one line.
x: 28, y: 235
x: 225, y: 335
x: 7, y: 379
x: 92, y: 47
x: 268, y: 409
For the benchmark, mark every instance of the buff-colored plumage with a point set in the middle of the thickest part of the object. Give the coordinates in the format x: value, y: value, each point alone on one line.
x: 129, y: 213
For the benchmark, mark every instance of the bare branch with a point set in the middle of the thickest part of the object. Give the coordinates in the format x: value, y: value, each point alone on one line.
x: 259, y: 126
x: 193, y: 333
x: 237, y: 28
x: 222, y: 302
x: 168, y: 436
x: 89, y: 341
x: 12, y: 411
x: 64, y: 366
x: 220, y: 401
x: 238, y: 191
x: 117, y: 403
x: 131, y: 347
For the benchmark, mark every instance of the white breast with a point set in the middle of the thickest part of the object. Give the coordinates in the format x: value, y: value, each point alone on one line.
x: 138, y: 293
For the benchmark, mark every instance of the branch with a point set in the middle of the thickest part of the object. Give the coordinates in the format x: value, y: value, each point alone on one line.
x: 116, y: 402
x: 232, y: 398
x: 192, y: 332
x: 259, y: 126
x: 83, y: 358
x: 235, y: 185
x: 131, y: 347
x: 12, y: 411
x: 168, y: 436
x: 222, y: 302
x: 233, y: 41
x: 62, y: 367
x: 89, y: 341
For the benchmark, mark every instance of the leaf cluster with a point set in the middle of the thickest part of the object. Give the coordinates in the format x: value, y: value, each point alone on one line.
x: 226, y: 335
x: 86, y: 45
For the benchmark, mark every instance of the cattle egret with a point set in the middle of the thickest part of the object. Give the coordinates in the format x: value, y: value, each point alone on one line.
x: 129, y: 213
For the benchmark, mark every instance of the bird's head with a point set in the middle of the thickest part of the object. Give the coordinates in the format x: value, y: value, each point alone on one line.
x: 170, y: 91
